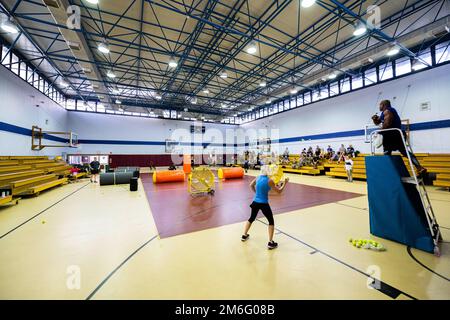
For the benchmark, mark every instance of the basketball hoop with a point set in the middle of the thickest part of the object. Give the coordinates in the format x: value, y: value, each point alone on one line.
x: 68, y: 139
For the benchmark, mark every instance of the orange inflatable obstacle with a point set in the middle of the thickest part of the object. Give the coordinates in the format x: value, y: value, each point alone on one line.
x: 187, y: 163
x: 231, y: 173
x: 168, y: 176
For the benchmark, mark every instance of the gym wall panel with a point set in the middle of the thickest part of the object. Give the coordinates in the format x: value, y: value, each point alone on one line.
x: 23, y: 106
x: 352, y: 111
x: 104, y: 134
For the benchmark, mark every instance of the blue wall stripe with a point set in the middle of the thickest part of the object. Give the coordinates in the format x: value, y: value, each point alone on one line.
x: 27, y: 132
x: 440, y: 124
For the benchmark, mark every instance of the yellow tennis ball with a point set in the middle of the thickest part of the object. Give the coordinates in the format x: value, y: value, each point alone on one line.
x: 43, y: 221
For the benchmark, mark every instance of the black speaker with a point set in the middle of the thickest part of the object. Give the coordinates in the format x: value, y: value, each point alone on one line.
x: 134, y: 184
x: 136, y: 174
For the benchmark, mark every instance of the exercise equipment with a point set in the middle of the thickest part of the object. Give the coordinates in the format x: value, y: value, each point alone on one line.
x: 231, y: 173
x: 201, y: 181
x: 399, y: 205
x: 168, y: 176
x: 134, y: 170
x: 187, y: 164
x: 112, y: 178
x: 276, y: 173
x: 134, y: 184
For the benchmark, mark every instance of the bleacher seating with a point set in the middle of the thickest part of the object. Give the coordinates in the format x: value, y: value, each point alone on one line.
x: 437, y: 165
x: 28, y: 175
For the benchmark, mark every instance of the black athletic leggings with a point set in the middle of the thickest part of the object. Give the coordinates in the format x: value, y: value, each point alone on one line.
x: 266, y: 210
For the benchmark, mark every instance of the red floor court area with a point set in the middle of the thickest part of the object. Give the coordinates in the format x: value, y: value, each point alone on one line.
x: 176, y: 212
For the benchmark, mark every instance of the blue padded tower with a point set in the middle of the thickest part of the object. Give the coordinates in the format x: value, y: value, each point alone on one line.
x: 396, y: 211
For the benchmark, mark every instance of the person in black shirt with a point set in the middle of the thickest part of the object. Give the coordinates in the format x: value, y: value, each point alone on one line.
x: 351, y: 151
x: 95, y: 170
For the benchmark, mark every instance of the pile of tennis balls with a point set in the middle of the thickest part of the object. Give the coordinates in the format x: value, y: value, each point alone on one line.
x: 367, y: 244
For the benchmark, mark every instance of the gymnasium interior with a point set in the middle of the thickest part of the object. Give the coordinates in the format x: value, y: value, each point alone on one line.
x: 132, y: 132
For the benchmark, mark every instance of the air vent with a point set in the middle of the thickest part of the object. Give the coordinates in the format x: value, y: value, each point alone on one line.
x: 74, y: 45
x: 52, y: 3
x: 366, y: 62
x: 440, y: 32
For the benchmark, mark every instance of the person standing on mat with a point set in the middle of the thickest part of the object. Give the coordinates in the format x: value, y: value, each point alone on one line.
x: 392, y: 140
x: 261, y: 186
x: 95, y: 169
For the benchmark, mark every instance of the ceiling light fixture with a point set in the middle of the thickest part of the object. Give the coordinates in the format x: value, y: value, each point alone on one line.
x: 9, y: 27
x: 332, y: 76
x: 92, y: 1
x: 111, y: 74
x: 206, y: 91
x: 158, y: 97
x: 268, y: 101
x: 360, y: 29
x: 293, y: 90
x: 173, y: 63
x: 252, y: 48
x: 224, y: 75
x: 63, y: 84
x: 262, y: 84
x: 308, y: 3
x: 103, y: 47
x: 118, y: 102
x: 394, y: 50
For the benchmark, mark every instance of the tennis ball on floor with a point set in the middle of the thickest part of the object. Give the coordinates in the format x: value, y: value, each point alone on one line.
x: 43, y: 221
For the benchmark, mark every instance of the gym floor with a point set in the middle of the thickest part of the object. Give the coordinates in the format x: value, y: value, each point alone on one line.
x: 110, y: 236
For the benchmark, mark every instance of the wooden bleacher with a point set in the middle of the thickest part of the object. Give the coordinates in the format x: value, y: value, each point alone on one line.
x: 27, y: 175
x: 435, y: 164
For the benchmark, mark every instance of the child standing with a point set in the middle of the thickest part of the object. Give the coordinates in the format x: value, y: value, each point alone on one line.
x: 349, y: 168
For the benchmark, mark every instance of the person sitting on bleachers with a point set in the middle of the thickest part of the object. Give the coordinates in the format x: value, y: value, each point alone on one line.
x: 334, y: 157
x: 286, y: 154
x: 351, y: 151
x: 303, y: 152
x: 342, y: 151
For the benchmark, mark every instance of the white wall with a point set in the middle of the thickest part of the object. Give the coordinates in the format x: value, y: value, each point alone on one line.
x: 91, y: 126
x: 18, y: 106
x: 353, y: 111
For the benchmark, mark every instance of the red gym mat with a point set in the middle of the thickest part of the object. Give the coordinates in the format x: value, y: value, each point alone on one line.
x: 176, y: 212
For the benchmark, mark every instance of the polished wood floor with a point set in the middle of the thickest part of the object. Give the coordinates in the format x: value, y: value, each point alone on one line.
x: 83, y: 241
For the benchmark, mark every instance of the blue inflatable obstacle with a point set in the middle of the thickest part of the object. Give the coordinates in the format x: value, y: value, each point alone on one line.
x: 396, y: 209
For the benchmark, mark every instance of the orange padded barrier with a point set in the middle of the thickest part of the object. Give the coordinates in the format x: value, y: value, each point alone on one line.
x: 168, y: 176
x: 231, y: 173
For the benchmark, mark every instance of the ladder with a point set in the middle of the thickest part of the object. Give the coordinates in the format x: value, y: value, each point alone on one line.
x: 420, y: 185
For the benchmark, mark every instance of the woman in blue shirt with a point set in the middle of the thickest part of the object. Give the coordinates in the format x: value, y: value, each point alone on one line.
x: 261, y: 186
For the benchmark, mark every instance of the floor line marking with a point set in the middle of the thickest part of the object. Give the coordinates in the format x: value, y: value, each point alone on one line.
x: 337, y: 260
x: 424, y: 266
x: 354, y: 207
x: 89, y: 297
x: 38, y: 214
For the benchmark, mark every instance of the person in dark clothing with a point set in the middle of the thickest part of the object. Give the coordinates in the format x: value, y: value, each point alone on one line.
x: 351, y: 151
x: 95, y: 170
x: 392, y: 140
